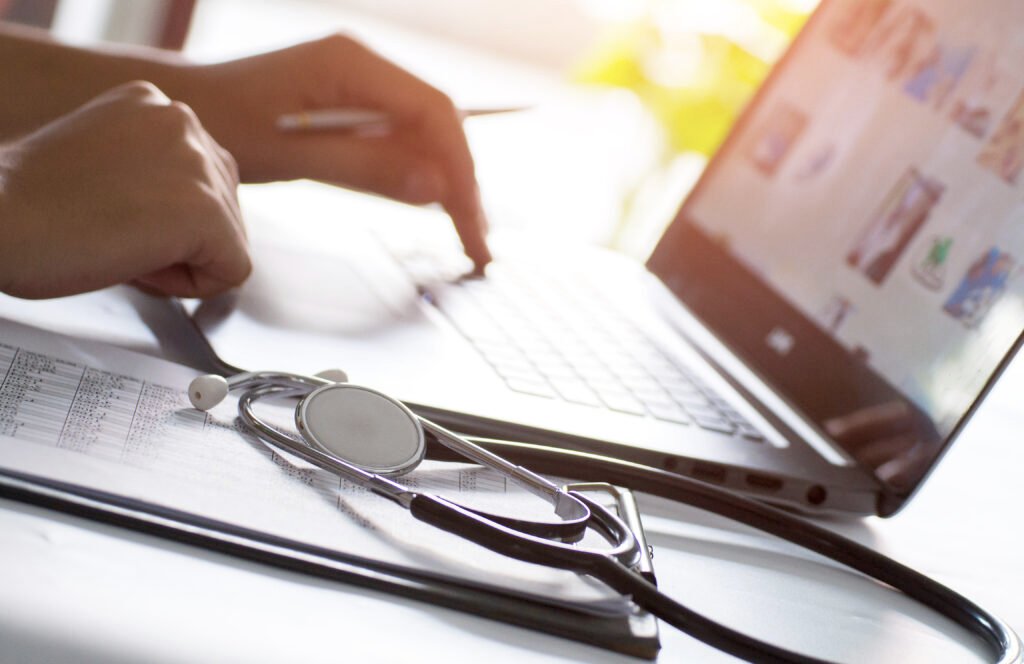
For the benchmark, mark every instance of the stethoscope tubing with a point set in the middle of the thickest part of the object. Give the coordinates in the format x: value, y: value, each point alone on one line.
x: 604, y: 566
x: 613, y: 565
x: 997, y: 635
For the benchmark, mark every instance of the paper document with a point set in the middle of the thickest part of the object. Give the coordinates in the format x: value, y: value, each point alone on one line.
x: 111, y: 420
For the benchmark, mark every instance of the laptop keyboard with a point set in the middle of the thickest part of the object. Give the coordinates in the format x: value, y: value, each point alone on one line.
x: 552, y: 337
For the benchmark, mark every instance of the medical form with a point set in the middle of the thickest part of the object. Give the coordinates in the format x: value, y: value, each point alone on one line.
x: 111, y: 420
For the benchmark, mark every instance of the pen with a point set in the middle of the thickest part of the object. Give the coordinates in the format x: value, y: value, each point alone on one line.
x: 357, y: 118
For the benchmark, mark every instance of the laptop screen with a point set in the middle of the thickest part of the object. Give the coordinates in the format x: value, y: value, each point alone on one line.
x: 867, y: 216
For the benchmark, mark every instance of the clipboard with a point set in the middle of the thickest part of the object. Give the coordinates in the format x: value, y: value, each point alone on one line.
x: 634, y: 634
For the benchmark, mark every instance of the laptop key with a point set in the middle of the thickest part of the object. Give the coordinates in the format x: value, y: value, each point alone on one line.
x: 669, y: 413
x: 743, y: 426
x: 596, y: 375
x: 575, y: 391
x: 690, y: 400
x: 652, y: 396
x: 640, y: 383
x: 678, y: 384
x: 557, y: 370
x: 518, y: 371
x: 749, y: 432
x: 622, y: 402
x: 479, y: 329
x: 713, y: 423
x: 502, y: 352
x: 625, y: 369
x: 698, y: 409
x: 732, y: 415
x: 531, y: 387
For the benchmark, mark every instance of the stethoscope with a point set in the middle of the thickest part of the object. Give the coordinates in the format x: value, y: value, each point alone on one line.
x: 369, y: 438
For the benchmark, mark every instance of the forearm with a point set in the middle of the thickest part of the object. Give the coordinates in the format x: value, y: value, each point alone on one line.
x: 41, y: 79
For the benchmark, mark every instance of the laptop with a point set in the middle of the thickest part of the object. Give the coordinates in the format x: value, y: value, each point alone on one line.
x: 831, y: 302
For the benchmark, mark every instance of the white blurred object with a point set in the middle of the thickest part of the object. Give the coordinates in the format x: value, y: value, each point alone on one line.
x: 549, y: 33
x: 125, y: 21
x: 568, y: 168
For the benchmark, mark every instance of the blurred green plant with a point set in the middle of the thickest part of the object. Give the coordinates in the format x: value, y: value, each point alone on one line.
x: 694, y: 63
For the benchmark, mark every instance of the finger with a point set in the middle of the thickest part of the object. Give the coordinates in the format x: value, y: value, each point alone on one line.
x: 212, y: 254
x: 139, y: 91
x: 383, y: 166
x: 218, y: 265
x: 471, y: 225
x: 369, y: 80
x: 427, y: 116
x: 182, y: 281
x: 222, y: 170
x: 220, y: 159
x: 230, y: 163
x: 227, y: 169
x: 218, y: 258
x: 193, y: 279
x: 387, y: 166
x: 223, y: 261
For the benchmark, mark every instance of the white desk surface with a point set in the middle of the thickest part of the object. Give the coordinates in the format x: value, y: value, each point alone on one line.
x: 76, y: 591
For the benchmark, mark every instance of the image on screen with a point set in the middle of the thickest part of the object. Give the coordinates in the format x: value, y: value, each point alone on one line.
x: 877, y: 186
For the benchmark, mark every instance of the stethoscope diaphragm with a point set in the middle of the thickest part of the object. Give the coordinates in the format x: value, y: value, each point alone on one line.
x: 362, y: 426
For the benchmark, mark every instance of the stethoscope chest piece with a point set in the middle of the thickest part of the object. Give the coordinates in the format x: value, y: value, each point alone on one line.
x: 362, y: 426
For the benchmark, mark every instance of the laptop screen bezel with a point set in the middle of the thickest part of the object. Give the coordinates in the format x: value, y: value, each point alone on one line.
x: 748, y: 316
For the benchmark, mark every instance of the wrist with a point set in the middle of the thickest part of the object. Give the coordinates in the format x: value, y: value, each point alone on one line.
x: 202, y: 89
x: 32, y: 100
x: 9, y: 221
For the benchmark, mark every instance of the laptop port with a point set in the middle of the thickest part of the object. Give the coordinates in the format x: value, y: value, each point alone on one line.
x: 708, y: 472
x: 816, y: 495
x: 763, y: 482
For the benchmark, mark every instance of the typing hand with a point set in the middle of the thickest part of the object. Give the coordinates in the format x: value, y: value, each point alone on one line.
x: 127, y: 187
x: 423, y: 159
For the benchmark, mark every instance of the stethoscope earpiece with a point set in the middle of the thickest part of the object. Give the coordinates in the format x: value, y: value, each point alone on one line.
x: 333, y: 375
x: 205, y: 392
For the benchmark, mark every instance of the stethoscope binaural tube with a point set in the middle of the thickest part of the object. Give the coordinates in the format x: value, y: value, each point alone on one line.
x: 574, y: 515
x: 360, y: 418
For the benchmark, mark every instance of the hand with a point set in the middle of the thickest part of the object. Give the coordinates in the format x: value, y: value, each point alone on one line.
x: 127, y: 187
x: 424, y: 159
